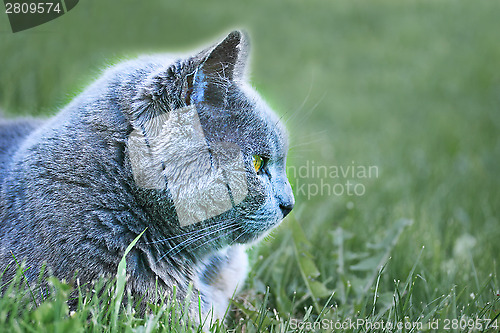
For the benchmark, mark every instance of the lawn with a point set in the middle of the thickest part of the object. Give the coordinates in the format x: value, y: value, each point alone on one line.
x: 393, y: 109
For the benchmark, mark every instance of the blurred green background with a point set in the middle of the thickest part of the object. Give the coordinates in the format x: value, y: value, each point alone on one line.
x: 411, y: 87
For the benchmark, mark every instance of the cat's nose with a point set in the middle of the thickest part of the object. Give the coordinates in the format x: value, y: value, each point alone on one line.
x: 285, y: 209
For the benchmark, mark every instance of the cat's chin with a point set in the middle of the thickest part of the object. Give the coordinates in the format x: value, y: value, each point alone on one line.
x: 256, y: 234
x: 250, y: 239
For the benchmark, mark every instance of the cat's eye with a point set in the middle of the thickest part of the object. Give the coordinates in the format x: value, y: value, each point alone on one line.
x: 258, y: 163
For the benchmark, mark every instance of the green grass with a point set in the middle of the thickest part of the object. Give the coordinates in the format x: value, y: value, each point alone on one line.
x: 411, y: 87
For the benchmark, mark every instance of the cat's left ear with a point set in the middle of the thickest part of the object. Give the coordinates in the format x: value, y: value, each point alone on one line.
x: 221, y: 65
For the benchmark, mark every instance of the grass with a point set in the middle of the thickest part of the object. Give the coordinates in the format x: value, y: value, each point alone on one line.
x: 410, y: 87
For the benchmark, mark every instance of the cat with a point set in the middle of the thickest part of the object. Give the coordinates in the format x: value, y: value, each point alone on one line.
x: 181, y: 147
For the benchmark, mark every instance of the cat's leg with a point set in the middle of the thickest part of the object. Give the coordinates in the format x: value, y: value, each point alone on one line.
x: 219, y: 277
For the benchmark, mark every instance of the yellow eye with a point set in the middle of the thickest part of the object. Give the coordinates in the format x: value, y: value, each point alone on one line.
x: 258, y: 163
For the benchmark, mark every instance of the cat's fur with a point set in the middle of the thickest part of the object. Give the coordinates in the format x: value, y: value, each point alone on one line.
x: 69, y: 197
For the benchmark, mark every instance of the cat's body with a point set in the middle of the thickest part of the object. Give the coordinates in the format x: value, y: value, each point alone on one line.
x: 76, y: 189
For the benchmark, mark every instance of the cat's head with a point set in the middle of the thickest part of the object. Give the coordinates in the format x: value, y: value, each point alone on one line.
x: 207, y: 146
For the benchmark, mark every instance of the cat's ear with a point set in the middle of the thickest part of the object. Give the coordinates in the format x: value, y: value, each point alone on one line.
x: 219, y: 67
x: 227, y: 59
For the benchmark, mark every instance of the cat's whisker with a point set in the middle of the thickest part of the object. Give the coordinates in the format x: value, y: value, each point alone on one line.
x: 298, y: 110
x: 198, y: 234
x: 181, y: 235
x: 301, y: 106
x: 234, y: 240
x: 189, y: 241
x: 222, y: 235
x: 306, y: 115
x: 313, y: 134
x: 206, y: 234
x: 302, y: 144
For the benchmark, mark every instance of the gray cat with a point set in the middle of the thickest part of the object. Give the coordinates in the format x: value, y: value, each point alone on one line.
x: 181, y: 147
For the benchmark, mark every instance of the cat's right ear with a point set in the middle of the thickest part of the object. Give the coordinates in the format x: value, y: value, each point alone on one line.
x: 218, y: 68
